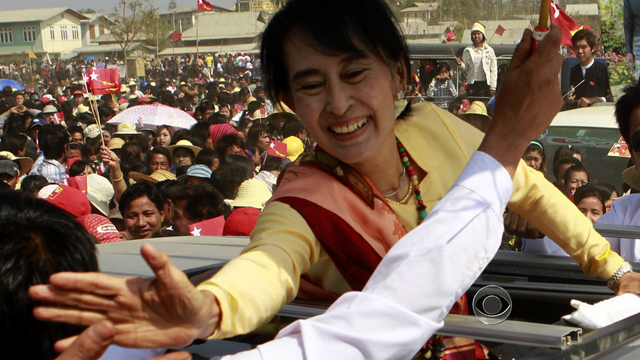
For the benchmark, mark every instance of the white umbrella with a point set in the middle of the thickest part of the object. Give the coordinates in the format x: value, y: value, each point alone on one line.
x: 154, y: 115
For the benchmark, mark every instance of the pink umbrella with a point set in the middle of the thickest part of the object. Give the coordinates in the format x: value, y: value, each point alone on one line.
x: 154, y: 115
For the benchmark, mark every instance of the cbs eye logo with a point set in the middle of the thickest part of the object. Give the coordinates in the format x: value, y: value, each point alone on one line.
x: 492, y: 305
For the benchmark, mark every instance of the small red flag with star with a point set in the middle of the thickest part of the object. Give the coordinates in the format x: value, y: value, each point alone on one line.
x: 204, y: 5
x: 277, y: 149
x: 211, y: 227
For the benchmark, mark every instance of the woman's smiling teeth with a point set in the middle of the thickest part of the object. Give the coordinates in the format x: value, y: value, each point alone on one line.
x: 349, y: 128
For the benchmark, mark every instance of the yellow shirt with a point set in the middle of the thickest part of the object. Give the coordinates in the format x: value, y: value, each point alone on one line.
x: 252, y: 288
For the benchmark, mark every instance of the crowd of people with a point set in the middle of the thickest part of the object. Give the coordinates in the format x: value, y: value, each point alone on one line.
x: 366, y: 171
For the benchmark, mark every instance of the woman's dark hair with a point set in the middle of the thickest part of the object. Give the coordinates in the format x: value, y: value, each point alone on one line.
x: 270, y: 166
x: 13, y: 142
x: 15, y: 123
x: 565, y: 152
x: 624, y: 108
x: 184, y: 134
x: 227, y: 141
x: 537, y: 146
x: 586, y: 191
x: 563, y: 161
x: 606, y: 190
x: 292, y: 127
x: 139, y: 190
x: 574, y: 168
x: 91, y: 147
x: 227, y: 178
x: 32, y: 184
x: 38, y: 240
x: 244, y: 121
x: 206, y: 157
x: 201, y: 131
x: 442, y: 65
x: 254, y: 133
x: 369, y: 22
x: 130, y: 150
x: 217, y: 118
x: 77, y: 168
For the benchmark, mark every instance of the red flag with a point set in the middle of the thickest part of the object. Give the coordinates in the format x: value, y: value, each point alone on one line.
x: 500, y: 30
x: 211, y: 227
x: 565, y: 23
x: 204, y: 5
x: 78, y: 182
x: 277, y: 149
x: 176, y: 37
x: 450, y: 36
x: 103, y: 81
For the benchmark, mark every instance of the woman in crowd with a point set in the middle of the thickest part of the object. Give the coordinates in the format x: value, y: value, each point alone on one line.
x: 80, y: 168
x: 535, y: 156
x: 379, y: 167
x: 164, y: 135
x: 567, y: 151
x: 258, y: 137
x: 183, y: 153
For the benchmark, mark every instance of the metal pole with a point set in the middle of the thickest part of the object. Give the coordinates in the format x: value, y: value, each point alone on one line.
x: 197, y: 36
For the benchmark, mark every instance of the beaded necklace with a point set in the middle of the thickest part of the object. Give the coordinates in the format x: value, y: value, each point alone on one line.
x: 422, y: 209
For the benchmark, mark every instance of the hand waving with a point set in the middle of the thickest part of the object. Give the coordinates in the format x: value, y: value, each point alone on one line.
x: 166, y: 311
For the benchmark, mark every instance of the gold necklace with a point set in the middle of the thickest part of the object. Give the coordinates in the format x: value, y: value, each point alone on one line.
x: 405, y: 199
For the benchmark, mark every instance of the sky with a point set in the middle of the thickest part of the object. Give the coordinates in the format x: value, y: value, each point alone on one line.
x: 105, y: 6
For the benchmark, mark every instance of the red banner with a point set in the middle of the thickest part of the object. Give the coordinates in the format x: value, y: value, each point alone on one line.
x: 103, y: 81
x: 450, y: 36
x: 204, y: 5
x: 277, y: 149
x: 565, y: 23
x: 500, y: 30
x: 211, y: 227
x: 176, y: 37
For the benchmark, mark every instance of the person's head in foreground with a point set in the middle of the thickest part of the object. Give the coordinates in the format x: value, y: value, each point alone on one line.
x: 590, y: 202
x: 38, y: 239
x: 628, y: 118
x: 142, y: 209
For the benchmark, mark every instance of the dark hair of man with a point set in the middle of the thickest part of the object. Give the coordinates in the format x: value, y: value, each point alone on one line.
x: 227, y: 178
x: 85, y: 118
x: 201, y: 131
x: 606, y: 190
x: 586, y: 191
x: 206, y: 157
x: 74, y: 129
x: 53, y: 140
x: 243, y: 92
x: 292, y: 127
x: 565, y: 151
x: 217, y: 118
x: 161, y: 150
x: 584, y: 34
x: 270, y: 166
x: 38, y: 240
x: 371, y: 22
x: 13, y: 142
x: 172, y: 190
x: 244, y: 121
x: 254, y: 133
x: 204, y: 106
x: 258, y: 89
x: 204, y: 202
x: 227, y: 141
x: 566, y: 160
x: 224, y: 98
x: 15, y: 123
x: 106, y: 112
x: 130, y: 150
x: 77, y: 168
x: 137, y: 191
x: 457, y: 103
x: 32, y: 184
x: 184, y: 134
x: 242, y: 163
x: 571, y: 169
x: 625, y: 106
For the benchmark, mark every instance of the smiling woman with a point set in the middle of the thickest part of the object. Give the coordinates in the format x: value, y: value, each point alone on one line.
x: 380, y: 166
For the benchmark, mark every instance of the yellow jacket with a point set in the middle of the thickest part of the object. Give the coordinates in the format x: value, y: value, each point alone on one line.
x: 252, y: 288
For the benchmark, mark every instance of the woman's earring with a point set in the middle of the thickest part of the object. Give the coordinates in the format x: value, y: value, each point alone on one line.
x: 400, y: 95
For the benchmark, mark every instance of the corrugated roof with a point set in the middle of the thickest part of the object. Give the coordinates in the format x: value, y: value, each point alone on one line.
x: 14, y: 16
x: 109, y: 48
x: 421, y: 7
x: 512, y: 33
x: 582, y: 9
x: 193, y: 9
x: 214, y: 49
x: 225, y: 26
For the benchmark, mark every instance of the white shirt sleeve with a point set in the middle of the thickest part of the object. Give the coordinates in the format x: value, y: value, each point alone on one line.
x: 415, y: 285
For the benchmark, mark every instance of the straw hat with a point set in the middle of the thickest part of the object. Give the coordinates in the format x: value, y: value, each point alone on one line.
x: 631, y: 177
x: 127, y: 129
x: 132, y: 83
x: 115, y: 143
x: 252, y: 193
x: 184, y: 144
x: 99, y: 192
x: 156, y: 177
x: 24, y: 163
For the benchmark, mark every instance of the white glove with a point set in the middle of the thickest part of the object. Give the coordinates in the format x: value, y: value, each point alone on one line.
x: 605, y: 312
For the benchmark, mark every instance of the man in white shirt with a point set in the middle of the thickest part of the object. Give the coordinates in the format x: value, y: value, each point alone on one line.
x: 480, y: 62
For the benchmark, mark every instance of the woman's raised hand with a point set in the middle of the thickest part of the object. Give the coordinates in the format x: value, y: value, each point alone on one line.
x: 166, y: 311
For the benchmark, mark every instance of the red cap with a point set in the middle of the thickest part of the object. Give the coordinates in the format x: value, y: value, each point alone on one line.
x: 100, y: 227
x: 241, y: 222
x: 62, y: 99
x: 67, y: 198
x: 78, y: 92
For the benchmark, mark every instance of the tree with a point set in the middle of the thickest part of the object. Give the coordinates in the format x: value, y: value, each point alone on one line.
x: 87, y: 11
x: 155, y: 32
x: 130, y: 17
x: 172, y: 5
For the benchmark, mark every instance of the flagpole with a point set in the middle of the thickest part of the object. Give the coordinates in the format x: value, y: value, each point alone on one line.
x: 197, y: 35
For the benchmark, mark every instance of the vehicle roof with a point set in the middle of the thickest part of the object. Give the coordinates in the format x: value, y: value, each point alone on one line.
x: 441, y: 51
x: 600, y: 116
